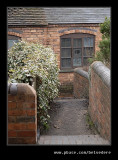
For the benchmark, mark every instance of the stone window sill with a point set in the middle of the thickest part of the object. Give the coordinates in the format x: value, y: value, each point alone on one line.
x: 66, y: 71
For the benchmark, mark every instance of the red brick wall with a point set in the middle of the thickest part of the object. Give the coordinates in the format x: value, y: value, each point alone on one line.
x: 50, y: 36
x: 81, y: 86
x: 99, y: 100
x: 96, y: 85
x: 66, y: 78
x: 22, y: 116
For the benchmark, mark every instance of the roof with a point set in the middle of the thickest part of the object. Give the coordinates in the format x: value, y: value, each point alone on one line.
x: 26, y: 16
x: 76, y: 15
x: 56, y: 15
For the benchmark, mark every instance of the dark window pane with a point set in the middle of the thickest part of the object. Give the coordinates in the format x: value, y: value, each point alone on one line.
x: 65, y: 42
x: 91, y: 43
x: 77, y: 53
x: 88, y: 51
x: 77, y: 62
x: 77, y: 57
x: 88, y: 42
x: 85, y: 61
x: 11, y: 43
x: 77, y: 43
x: 65, y: 53
x: 66, y: 62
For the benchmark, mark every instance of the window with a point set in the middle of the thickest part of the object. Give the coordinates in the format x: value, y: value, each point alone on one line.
x: 76, y: 49
x: 11, y: 40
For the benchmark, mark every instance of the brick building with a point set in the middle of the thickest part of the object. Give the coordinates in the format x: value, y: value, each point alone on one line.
x: 73, y: 34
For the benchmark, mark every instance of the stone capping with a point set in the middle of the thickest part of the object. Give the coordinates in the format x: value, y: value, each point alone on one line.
x: 82, y: 72
x: 12, y: 88
x: 102, y: 71
x: 20, y: 88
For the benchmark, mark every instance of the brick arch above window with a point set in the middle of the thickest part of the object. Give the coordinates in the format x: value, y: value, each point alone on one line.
x: 78, y: 30
x: 14, y: 34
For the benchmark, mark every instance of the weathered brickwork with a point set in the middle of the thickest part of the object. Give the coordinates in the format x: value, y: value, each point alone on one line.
x: 95, y: 85
x: 66, y: 88
x: 66, y: 78
x: 99, y: 101
x: 22, y: 115
x: 50, y: 36
x: 81, y: 84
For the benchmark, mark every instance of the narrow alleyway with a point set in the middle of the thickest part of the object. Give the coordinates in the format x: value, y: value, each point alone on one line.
x: 68, y: 125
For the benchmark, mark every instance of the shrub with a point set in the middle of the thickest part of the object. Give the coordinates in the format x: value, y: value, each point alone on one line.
x: 104, y: 45
x: 32, y: 59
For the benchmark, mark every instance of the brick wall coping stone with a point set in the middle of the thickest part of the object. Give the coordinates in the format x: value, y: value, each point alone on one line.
x: 20, y: 88
x: 12, y: 88
x: 82, y: 72
x: 102, y: 71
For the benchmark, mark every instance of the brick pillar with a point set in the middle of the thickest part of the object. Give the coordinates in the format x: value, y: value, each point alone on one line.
x: 22, y: 114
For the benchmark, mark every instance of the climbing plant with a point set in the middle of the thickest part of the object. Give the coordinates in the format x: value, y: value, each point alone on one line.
x: 26, y: 60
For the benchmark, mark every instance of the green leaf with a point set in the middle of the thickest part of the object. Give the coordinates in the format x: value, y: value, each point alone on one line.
x: 29, y: 59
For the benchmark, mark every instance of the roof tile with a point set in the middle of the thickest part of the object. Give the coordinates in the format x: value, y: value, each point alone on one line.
x: 56, y: 15
x: 26, y: 16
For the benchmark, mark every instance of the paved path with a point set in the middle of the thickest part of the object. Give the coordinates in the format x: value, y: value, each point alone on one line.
x: 72, y: 140
x: 68, y: 125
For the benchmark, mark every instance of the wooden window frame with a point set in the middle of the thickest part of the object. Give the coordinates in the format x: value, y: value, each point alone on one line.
x: 73, y: 36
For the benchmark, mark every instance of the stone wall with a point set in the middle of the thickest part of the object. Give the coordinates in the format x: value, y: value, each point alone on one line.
x: 22, y: 114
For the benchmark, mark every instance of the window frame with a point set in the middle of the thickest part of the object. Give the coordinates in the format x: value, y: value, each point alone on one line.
x: 73, y: 36
x: 12, y: 37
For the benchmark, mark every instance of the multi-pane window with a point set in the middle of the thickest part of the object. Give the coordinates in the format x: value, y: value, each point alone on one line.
x: 76, y: 49
x: 11, y: 40
x: 66, y: 52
